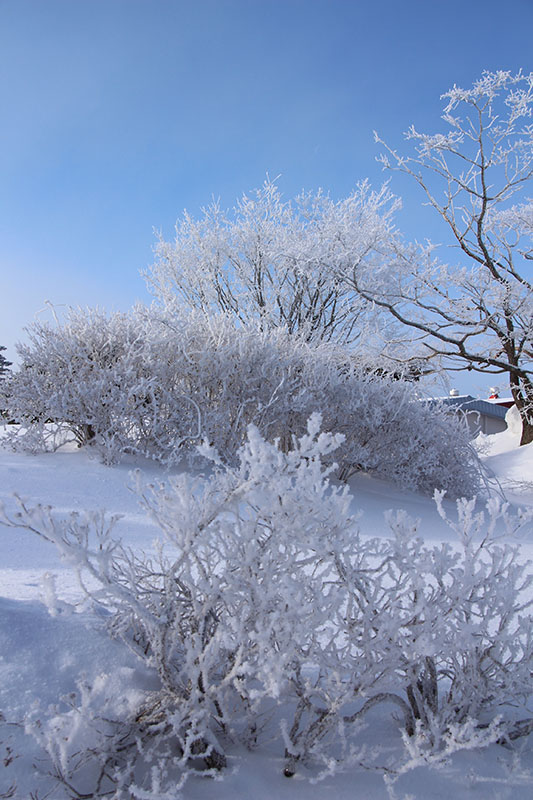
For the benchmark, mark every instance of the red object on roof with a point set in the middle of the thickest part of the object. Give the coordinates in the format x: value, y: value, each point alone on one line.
x: 506, y: 402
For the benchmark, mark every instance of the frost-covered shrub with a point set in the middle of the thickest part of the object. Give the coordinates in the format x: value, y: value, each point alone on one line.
x: 267, y: 611
x: 157, y: 385
x: 224, y: 379
x: 82, y: 380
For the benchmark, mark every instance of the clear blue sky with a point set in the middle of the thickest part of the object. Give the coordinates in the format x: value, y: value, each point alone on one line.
x: 118, y: 114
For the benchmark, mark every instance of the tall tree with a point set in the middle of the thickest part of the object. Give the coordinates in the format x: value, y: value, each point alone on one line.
x: 476, y: 314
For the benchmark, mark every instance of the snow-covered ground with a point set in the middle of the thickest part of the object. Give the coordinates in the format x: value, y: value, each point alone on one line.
x: 44, y: 650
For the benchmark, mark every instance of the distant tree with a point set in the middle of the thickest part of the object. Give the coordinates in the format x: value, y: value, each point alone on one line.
x: 4, y: 363
x: 478, y: 313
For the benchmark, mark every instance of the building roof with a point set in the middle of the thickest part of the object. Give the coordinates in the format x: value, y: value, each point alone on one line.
x: 466, y: 402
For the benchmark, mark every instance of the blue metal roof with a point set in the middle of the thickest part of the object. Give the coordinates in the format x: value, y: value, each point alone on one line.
x: 466, y: 403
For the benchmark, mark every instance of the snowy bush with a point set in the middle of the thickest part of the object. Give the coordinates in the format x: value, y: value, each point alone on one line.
x: 96, y: 380
x: 267, y: 611
x: 80, y: 380
x: 229, y: 378
x: 157, y: 384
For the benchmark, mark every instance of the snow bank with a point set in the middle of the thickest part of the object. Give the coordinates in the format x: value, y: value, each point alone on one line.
x: 43, y: 656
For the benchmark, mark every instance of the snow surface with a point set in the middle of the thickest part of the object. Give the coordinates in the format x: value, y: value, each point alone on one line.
x: 44, y: 650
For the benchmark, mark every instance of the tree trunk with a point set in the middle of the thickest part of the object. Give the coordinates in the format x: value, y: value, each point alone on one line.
x: 527, y: 431
x: 522, y: 391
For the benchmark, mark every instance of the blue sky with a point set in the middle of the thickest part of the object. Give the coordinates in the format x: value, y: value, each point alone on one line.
x: 119, y: 114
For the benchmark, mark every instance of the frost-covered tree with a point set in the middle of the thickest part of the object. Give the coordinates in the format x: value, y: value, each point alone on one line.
x: 4, y: 370
x: 476, y: 314
x: 270, y: 263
